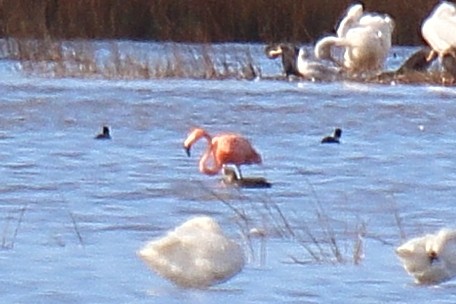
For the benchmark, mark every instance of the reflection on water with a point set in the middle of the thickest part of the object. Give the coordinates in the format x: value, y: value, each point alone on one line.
x: 74, y: 210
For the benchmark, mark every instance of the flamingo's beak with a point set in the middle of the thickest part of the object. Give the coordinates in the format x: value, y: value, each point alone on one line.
x: 187, y: 150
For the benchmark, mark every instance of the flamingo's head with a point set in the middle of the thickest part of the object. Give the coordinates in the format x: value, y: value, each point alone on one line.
x: 195, y: 135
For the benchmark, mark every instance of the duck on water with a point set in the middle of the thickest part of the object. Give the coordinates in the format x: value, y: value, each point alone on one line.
x: 230, y: 178
x: 334, y: 138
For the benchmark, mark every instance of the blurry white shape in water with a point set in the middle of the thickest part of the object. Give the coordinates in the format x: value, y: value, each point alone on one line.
x: 196, y: 254
x: 430, y: 259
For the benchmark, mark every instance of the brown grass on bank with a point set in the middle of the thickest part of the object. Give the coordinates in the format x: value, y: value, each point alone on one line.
x: 85, y: 59
x: 116, y: 59
x: 198, y: 20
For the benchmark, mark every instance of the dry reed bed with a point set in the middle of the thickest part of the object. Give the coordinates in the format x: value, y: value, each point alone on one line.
x: 128, y: 60
x: 111, y: 60
x: 203, y: 21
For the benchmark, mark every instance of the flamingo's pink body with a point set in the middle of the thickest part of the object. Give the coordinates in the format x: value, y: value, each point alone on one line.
x: 223, y: 149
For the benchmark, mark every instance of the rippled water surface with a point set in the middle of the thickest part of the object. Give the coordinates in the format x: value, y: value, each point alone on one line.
x: 74, y: 211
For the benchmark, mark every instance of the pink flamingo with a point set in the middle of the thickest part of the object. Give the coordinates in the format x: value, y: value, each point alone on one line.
x: 223, y: 149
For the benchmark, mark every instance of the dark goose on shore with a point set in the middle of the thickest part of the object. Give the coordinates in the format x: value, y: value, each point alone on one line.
x: 289, y: 54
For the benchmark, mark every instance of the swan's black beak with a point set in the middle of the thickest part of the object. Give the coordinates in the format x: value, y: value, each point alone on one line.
x: 187, y: 150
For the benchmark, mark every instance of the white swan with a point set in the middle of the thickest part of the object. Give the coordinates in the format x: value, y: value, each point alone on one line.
x: 196, y: 254
x: 315, y: 69
x: 431, y: 259
x: 364, y: 37
x: 439, y: 31
x: 298, y: 62
x: 351, y: 19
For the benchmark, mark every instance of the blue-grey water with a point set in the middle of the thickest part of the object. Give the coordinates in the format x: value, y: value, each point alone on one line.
x: 74, y: 211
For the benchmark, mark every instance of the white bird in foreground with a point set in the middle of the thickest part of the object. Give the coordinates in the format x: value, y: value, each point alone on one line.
x: 364, y: 37
x: 430, y: 259
x: 439, y: 31
x: 196, y: 254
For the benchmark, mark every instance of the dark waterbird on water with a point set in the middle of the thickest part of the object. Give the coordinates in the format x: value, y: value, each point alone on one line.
x: 105, y: 134
x: 333, y: 139
x: 230, y: 178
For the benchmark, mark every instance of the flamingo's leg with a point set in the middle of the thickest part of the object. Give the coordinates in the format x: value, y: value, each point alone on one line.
x: 238, y: 172
x: 235, y: 168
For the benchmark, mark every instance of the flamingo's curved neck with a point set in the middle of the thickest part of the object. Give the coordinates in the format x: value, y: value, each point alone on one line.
x: 208, y: 155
